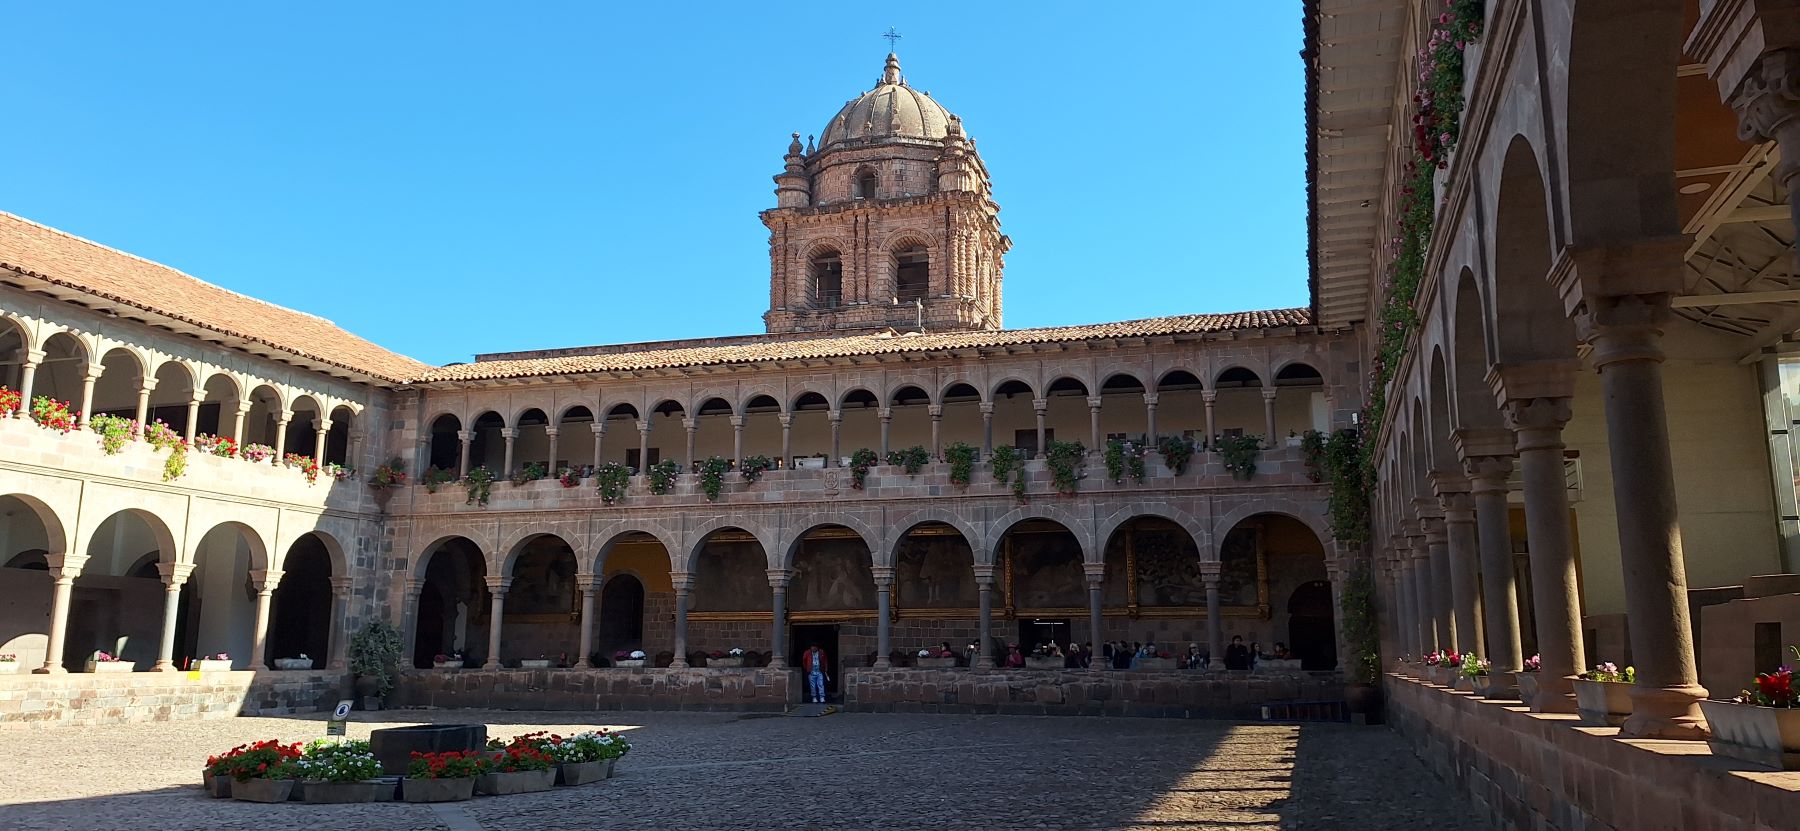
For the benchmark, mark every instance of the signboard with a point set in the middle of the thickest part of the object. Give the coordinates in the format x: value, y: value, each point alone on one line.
x: 340, y: 718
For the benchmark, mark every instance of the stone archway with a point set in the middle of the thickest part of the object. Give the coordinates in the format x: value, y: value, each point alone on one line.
x: 300, y: 620
x: 1312, y: 630
x: 453, y: 602
x: 621, y: 617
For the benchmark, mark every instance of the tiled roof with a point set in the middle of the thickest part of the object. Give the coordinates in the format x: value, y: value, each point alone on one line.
x: 70, y: 261
x: 852, y: 345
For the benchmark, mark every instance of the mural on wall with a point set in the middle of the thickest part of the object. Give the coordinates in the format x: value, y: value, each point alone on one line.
x: 831, y: 574
x: 1046, y: 571
x: 1168, y: 568
x: 1238, y: 582
x: 543, y: 583
x: 731, y: 576
x: 935, y: 572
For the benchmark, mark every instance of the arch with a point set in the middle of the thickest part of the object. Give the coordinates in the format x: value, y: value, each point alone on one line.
x: 1180, y: 378
x: 1047, y: 561
x: 961, y: 390
x: 1041, y: 512
x: 1161, y: 554
x: 1442, y: 456
x: 574, y: 443
x: 934, y: 566
x: 909, y: 394
x: 1297, y: 373
x: 305, y: 413
x: 1263, y: 556
x: 1529, y: 316
x: 154, y: 533
x: 762, y: 402
x: 621, y: 624
x: 301, y: 608
x: 715, y: 406
x: 60, y: 373
x: 575, y: 411
x: 809, y: 400
x: 825, y: 278
x: 487, y: 447
x: 257, y: 548
x: 55, y: 538
x: 1305, y: 514
x: 846, y: 521
x: 521, y: 540
x: 451, y: 577
x: 622, y: 411
x: 1237, y: 376
x: 444, y: 451
x: 907, y: 522
x: 15, y: 342
x: 867, y: 183
x: 630, y: 533
x: 910, y: 261
x: 859, y: 396
x: 1011, y: 386
x: 729, y: 564
x: 472, y: 540
x: 1472, y: 403
x: 529, y: 416
x: 703, y: 532
x: 1066, y: 385
x: 121, y: 371
x: 1192, y: 525
x: 333, y: 547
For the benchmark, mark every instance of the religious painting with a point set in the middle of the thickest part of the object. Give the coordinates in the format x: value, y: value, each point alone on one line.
x: 831, y: 574
x: 1046, y: 571
x: 731, y: 577
x: 1168, y: 568
x: 935, y: 572
x: 543, y: 583
x: 1238, y: 579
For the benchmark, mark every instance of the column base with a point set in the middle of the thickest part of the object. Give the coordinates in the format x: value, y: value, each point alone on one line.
x: 165, y: 666
x: 1666, y: 713
x: 984, y: 663
x: 883, y: 663
x: 778, y: 663
x: 1556, y: 694
x: 678, y: 665
x: 583, y: 664
x: 490, y: 665
x: 50, y: 669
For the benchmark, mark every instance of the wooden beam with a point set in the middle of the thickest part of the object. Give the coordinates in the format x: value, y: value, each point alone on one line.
x: 1693, y: 301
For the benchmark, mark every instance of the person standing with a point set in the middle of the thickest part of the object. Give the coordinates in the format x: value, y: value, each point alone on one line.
x: 812, y: 662
x: 1237, y: 655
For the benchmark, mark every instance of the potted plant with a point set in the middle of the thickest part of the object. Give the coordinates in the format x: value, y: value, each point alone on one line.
x: 443, y: 777
x: 580, y: 758
x: 634, y: 658
x: 531, y: 472
x: 540, y: 662
x: 1475, y: 674
x: 1527, y: 680
x: 613, y: 747
x: 9, y: 662
x: 569, y: 477
x: 334, y: 773
x: 1603, y: 695
x: 219, y: 662
x: 374, y: 654
x: 297, y: 663
x: 108, y: 662
x: 216, y: 776
x: 263, y: 771
x: 1762, y: 724
x: 930, y: 658
x: 729, y: 659
x: 453, y: 660
x: 520, y: 768
x: 436, y: 477
x: 256, y: 453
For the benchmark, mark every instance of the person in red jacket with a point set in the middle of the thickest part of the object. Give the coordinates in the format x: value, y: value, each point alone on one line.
x: 812, y: 662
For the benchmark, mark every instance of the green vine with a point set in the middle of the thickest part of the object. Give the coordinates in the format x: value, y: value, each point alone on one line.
x: 531, y: 472
x: 662, y: 476
x: 478, y: 483
x: 1362, y: 631
x: 1125, y: 456
x: 961, y: 457
x: 913, y: 459
x: 436, y: 477
x: 1348, y: 501
x: 1240, y: 454
x: 1009, y: 467
x: 753, y: 467
x: 611, y: 479
x: 860, y: 463
x: 1312, y: 451
x: 1176, y: 452
x: 1064, y: 459
x: 712, y: 477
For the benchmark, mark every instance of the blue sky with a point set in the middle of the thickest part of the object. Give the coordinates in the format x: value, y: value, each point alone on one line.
x: 452, y: 178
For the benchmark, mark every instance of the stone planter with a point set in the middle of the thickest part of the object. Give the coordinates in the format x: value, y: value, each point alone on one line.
x: 1528, y: 686
x: 524, y: 781
x: 611, y: 766
x: 292, y: 664
x: 535, y: 663
x: 935, y: 663
x: 1764, y: 735
x: 1493, y: 687
x: 209, y: 665
x: 110, y: 666
x: 581, y: 773
x: 217, y: 787
x: 810, y: 463
x: 8, y: 666
x: 262, y: 790
x: 1043, y: 663
x: 1602, y: 703
x: 1154, y: 663
x: 447, y: 665
x: 630, y: 663
x: 727, y: 662
x: 436, y: 790
x: 340, y: 793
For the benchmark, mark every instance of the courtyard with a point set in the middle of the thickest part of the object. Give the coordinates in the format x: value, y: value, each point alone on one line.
x: 706, y: 771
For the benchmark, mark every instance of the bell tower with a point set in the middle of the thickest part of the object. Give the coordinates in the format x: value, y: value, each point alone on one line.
x: 887, y: 222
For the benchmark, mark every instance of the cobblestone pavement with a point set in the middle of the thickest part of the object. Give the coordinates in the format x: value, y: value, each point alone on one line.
x: 848, y: 771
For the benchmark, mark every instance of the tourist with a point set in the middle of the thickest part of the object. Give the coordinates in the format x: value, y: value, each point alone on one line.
x: 1237, y: 655
x: 1194, y: 659
x: 1072, y: 656
x: 1014, y: 659
x: 945, y: 651
x: 1281, y: 652
x: 812, y: 662
x: 1087, y: 654
x: 1122, y: 655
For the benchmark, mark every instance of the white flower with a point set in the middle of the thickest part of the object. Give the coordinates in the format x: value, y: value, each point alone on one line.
x: 637, y: 654
x: 924, y: 653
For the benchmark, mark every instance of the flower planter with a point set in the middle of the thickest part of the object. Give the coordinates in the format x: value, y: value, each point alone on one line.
x: 436, y: 790
x: 810, y: 463
x: 611, y: 765
x: 217, y: 787
x: 1152, y: 663
x: 340, y: 793
x: 1602, y: 703
x: 1764, y: 735
x: 447, y: 665
x: 535, y: 663
x: 262, y: 790
x: 1528, y: 686
x: 524, y: 781
x: 1493, y: 687
x: 292, y: 664
x: 209, y: 665
x: 727, y: 662
x: 581, y: 773
x: 935, y: 663
x: 8, y: 666
x: 1043, y: 663
x: 630, y: 663
x: 111, y: 666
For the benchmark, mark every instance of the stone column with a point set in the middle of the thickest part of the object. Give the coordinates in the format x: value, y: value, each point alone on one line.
x: 173, y: 576
x: 1460, y: 547
x: 787, y: 434
x: 598, y: 428
x: 1095, y: 573
x: 145, y: 386
x: 193, y: 415
x: 737, y: 440
x: 87, y: 391
x: 1210, y: 396
x: 884, y: 593
x: 984, y: 586
x: 1215, y: 621
x: 1443, y: 617
x: 27, y: 379
x: 1488, y: 468
x: 323, y: 433
x: 692, y: 425
x: 936, y: 411
x: 1093, y: 403
x: 886, y: 415
x: 1424, y: 604
x: 1536, y: 409
x: 465, y: 439
x: 683, y: 583
x: 1406, y: 626
x: 1268, y: 394
x: 644, y: 448
x: 237, y: 424
x: 409, y: 619
x: 1626, y: 335
x: 64, y: 568
x: 836, y: 418
x: 778, y: 586
x: 987, y: 429
x: 589, y: 584
x: 497, y: 587
x: 1038, y: 408
x: 264, y: 582
x: 338, y: 649
x: 509, y: 434
x: 1761, y: 87
x: 1150, y: 399
x: 550, y: 466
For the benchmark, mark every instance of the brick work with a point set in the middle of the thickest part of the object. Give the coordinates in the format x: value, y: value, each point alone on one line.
x: 736, y: 690
x: 1524, y: 770
x: 1168, y: 694
x: 79, y: 698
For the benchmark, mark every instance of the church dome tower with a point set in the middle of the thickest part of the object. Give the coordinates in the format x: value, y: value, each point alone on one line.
x: 888, y: 221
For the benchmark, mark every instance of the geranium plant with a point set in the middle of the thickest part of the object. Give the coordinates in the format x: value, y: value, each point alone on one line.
x: 712, y: 477
x: 1125, y: 457
x: 912, y: 459
x: 9, y: 401
x: 391, y: 474
x: 437, y: 477
x: 451, y: 764
x: 518, y: 758
x: 479, y: 484
x: 612, y: 479
x: 1239, y: 454
x: 215, y: 445
x: 1773, y: 689
x: 531, y: 472
x: 257, y: 453
x: 114, y: 431
x: 339, y: 472
x: 52, y: 414
x: 1532, y: 664
x: 307, y: 465
x: 268, y: 759
x: 860, y: 462
x: 569, y: 477
x: 662, y: 476
x: 106, y: 658
x: 1610, y: 673
x: 1474, y: 666
x: 753, y: 467
x: 1176, y: 451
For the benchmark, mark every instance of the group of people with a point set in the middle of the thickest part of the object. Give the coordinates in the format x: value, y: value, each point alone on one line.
x: 1075, y: 656
x: 1241, y: 657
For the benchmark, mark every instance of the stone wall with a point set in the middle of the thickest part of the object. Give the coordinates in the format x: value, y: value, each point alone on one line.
x: 84, y: 698
x: 737, y: 690
x: 1524, y: 770
x: 1169, y: 694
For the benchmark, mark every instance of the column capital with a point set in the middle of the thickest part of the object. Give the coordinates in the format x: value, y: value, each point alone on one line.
x: 324, y: 425
x: 1040, y: 404
x: 644, y: 427
x: 465, y: 435
x: 174, y: 574
x: 551, y: 430
x: 1425, y: 507
x: 1458, y: 507
x: 197, y: 396
x: 683, y: 581
x: 265, y: 580
x: 1150, y: 399
x: 1627, y: 327
x: 1094, y: 402
x: 937, y: 410
x: 1209, y: 396
x: 986, y: 408
x: 146, y: 384
x: 1094, y: 572
x: 284, y: 419
x: 984, y: 573
x: 589, y: 583
x: 244, y: 405
x: 1538, y: 422
x: 834, y: 415
x: 1527, y: 380
x: 779, y: 578
x: 498, y: 585
x: 509, y: 433
x: 1767, y: 97
x: 884, y: 413
x: 92, y: 372
x: 1211, y: 569
x: 690, y: 424
x: 736, y: 421
x: 1435, y: 534
x: 1448, y: 481
x: 786, y: 419
x: 341, y: 585
x: 413, y: 586
x: 598, y: 428
x: 1268, y: 393
x: 884, y: 576
x: 34, y: 357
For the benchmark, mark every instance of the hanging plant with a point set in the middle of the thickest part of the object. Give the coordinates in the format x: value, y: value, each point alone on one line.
x: 712, y: 477
x: 1009, y: 467
x: 478, y: 483
x: 860, y: 462
x: 1176, y: 452
x: 569, y: 477
x: 1065, y: 460
x: 612, y: 479
x: 962, y: 463
x: 435, y: 477
x: 114, y: 431
x: 662, y: 476
x: 913, y: 459
x: 1348, y: 502
x: 1123, y: 457
x: 52, y: 414
x: 753, y: 467
x: 309, y: 467
x: 389, y: 475
x: 176, y: 465
x: 1240, y: 453
x: 1312, y: 452
x: 531, y: 472
x: 1362, y: 630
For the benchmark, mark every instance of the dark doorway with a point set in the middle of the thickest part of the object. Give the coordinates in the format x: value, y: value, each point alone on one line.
x: 621, y: 615
x: 1036, y: 630
x: 428, y: 641
x: 301, y: 617
x: 1310, y: 626
x: 801, y: 637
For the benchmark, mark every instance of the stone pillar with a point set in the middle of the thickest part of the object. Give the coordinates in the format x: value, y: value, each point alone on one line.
x: 509, y: 434
x: 1095, y: 573
x: 1443, y: 618
x: 1215, y: 622
x: 465, y: 439
x: 984, y: 586
x: 936, y: 411
x: 1406, y: 625
x: 1536, y: 409
x: 409, y: 619
x: 145, y: 386
x: 778, y: 586
x: 1460, y: 547
x: 193, y: 415
x: 886, y: 415
x: 1626, y: 335
x: 787, y: 434
x: 281, y: 427
x: 644, y: 447
x: 836, y: 418
x: 323, y: 433
x: 1488, y: 472
x: 338, y: 650
x: 27, y: 379
x: 264, y: 582
x: 692, y: 425
x: 1210, y: 396
x: 1762, y: 87
x: 1424, y: 604
x: 683, y: 583
x: 598, y: 428
x: 1038, y: 408
x: 884, y: 593
x: 497, y: 587
x: 173, y: 576
x: 987, y: 430
x: 64, y: 568
x: 589, y: 584
x: 237, y: 424
x: 1093, y: 403
x: 737, y: 440
x: 87, y: 391
x: 1150, y: 399
x: 550, y: 466
x: 1268, y: 394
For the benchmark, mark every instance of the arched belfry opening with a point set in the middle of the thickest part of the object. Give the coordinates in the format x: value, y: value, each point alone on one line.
x: 912, y: 273
x: 826, y: 270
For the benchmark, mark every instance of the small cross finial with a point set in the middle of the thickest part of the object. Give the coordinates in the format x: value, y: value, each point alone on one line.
x: 892, y: 36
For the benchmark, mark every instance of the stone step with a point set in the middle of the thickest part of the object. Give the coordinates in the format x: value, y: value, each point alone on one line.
x: 812, y: 710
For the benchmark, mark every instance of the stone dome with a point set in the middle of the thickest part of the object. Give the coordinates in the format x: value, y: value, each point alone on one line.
x: 892, y: 110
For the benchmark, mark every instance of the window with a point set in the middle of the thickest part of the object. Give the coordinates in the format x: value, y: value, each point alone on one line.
x: 912, y: 273
x: 865, y: 185
x: 827, y: 271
